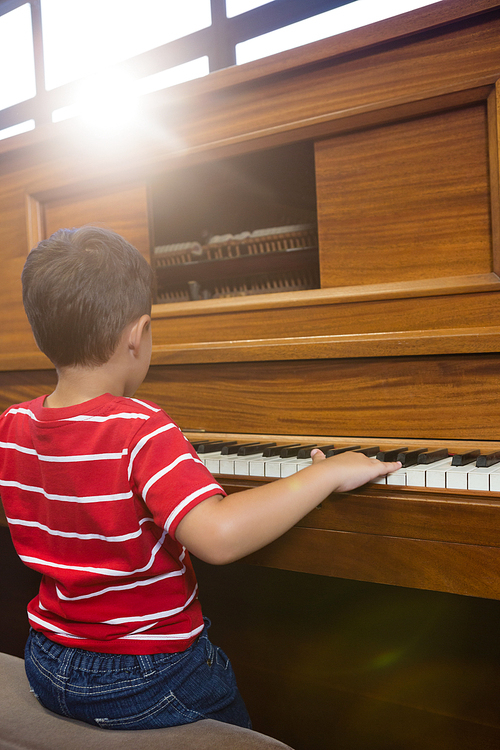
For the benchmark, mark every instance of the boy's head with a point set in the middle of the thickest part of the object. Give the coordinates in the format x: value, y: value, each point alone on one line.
x: 81, y: 288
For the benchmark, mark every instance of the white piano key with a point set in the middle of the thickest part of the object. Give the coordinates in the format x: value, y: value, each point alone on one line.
x: 226, y: 464
x: 457, y: 476
x: 258, y: 466
x: 273, y: 468
x: 204, y: 457
x: 378, y: 480
x: 436, y: 473
x: 212, y: 462
x: 397, y: 477
x: 292, y: 467
x: 495, y: 481
x: 234, y: 464
x: 242, y: 464
x: 479, y: 478
x: 416, y: 475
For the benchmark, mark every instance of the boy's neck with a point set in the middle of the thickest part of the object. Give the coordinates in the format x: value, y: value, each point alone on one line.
x: 121, y: 375
x: 76, y: 385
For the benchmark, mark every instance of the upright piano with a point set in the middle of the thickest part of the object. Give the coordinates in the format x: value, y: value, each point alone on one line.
x: 385, y: 139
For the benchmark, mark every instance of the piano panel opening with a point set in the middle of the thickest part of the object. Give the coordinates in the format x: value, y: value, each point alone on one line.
x: 236, y: 227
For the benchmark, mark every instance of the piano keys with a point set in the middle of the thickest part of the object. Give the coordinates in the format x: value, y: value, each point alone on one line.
x: 423, y: 467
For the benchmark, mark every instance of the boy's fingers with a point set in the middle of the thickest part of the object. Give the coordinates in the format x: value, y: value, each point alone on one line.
x: 391, y: 466
x: 317, y: 455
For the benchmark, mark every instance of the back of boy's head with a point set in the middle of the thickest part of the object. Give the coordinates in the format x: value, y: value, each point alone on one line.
x: 81, y: 288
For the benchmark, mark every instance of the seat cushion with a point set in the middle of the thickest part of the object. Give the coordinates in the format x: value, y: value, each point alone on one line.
x: 26, y: 725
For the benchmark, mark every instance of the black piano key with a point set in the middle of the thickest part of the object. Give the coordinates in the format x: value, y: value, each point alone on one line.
x: 431, y: 457
x: 488, y: 459
x: 250, y: 450
x: 289, y: 451
x: 306, y: 452
x: 370, y: 452
x: 324, y: 448
x: 212, y: 447
x: 391, y: 455
x: 337, y: 451
x: 275, y: 450
x: 462, y: 459
x: 196, y: 443
x: 228, y: 450
x: 410, y: 458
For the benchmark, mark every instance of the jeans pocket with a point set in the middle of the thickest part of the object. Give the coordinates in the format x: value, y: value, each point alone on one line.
x: 221, y: 659
x: 167, y: 712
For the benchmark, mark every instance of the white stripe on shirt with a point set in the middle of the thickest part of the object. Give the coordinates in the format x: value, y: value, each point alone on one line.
x: 22, y: 410
x: 159, y: 637
x: 143, y: 442
x: 154, y: 615
x: 75, y: 535
x: 131, y: 636
x: 180, y: 507
x: 20, y: 448
x: 82, y: 417
x: 96, y: 418
x: 68, y: 498
x: 65, y: 459
x: 100, y: 571
x: 166, y: 470
x: 52, y: 628
x: 143, y: 403
x: 123, y: 587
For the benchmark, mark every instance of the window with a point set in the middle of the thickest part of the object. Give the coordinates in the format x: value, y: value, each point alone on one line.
x: 17, y: 61
x: 236, y: 7
x: 83, y: 37
x: 353, y: 15
x: 61, y: 58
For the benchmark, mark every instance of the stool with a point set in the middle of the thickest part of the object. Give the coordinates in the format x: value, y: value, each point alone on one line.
x: 26, y: 725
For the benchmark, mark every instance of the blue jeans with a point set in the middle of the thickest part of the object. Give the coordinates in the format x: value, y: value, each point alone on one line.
x: 121, y: 691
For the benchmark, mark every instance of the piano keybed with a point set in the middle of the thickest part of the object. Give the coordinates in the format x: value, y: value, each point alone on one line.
x: 457, y: 467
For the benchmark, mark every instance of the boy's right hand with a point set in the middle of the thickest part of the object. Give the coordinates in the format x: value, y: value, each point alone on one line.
x: 354, y: 469
x: 224, y: 529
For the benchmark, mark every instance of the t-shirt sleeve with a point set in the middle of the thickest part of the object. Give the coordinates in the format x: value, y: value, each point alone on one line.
x: 167, y: 473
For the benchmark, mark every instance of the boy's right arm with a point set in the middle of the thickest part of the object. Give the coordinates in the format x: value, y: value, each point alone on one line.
x: 223, y: 529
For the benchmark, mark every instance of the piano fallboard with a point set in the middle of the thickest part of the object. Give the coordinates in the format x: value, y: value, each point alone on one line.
x: 430, y: 538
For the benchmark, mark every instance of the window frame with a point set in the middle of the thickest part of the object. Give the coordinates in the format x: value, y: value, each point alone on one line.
x: 218, y: 42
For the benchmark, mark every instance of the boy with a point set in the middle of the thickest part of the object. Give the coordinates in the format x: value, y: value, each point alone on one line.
x: 105, y: 497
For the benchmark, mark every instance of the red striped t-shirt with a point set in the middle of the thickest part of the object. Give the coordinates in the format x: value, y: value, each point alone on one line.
x: 93, y: 495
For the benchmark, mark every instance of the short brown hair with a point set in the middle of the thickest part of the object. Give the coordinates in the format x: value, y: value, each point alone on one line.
x: 81, y: 288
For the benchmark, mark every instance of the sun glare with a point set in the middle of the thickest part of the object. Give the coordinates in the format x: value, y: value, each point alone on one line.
x: 112, y: 100
x: 84, y: 37
x: 85, y: 40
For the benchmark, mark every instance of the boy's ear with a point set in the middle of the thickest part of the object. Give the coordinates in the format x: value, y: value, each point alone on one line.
x: 137, y: 331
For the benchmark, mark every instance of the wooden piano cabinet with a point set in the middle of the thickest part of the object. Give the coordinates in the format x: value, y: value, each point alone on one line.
x: 435, y: 398
x: 16, y: 387
x: 400, y: 343
x: 32, y: 209
x: 430, y: 539
x: 123, y: 209
x: 405, y: 201
x: 357, y: 665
